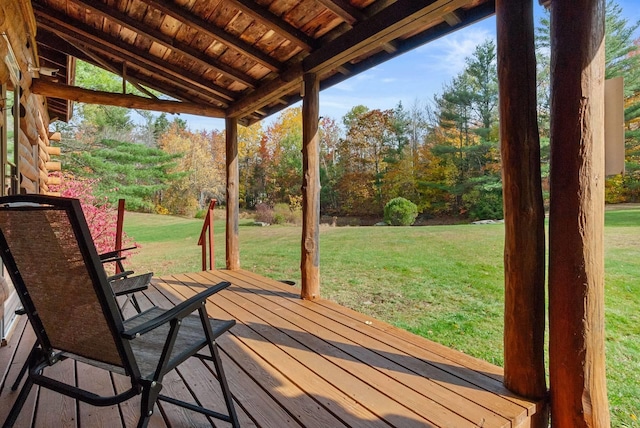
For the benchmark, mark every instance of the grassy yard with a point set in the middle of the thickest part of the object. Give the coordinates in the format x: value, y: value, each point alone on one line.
x: 442, y: 282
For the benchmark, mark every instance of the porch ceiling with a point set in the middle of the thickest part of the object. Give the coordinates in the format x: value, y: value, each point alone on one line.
x: 239, y: 58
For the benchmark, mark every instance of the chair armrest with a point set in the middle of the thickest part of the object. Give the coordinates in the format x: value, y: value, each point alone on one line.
x: 120, y: 275
x: 178, y: 312
x: 115, y: 253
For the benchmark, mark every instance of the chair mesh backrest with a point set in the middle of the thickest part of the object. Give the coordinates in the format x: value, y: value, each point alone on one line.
x: 50, y: 261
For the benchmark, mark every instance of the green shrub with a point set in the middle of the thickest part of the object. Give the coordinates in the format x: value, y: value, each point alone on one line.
x: 400, y: 212
x: 287, y: 214
x: 483, y: 205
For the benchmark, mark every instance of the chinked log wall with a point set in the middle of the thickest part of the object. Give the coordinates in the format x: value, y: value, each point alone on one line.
x: 33, y: 140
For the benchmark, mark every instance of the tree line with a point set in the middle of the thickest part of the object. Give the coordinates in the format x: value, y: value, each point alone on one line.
x: 442, y: 154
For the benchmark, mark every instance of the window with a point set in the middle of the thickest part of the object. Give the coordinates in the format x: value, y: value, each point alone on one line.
x: 9, y: 154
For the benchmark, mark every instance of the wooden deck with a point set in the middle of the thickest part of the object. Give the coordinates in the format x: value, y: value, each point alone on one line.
x: 290, y: 363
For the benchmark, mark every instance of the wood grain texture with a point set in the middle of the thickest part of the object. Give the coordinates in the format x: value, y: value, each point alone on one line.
x: 233, y: 195
x: 576, y: 218
x: 524, y: 251
x: 299, y: 363
x: 310, y: 251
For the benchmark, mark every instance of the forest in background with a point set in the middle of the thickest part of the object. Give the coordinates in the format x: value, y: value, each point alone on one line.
x: 442, y: 154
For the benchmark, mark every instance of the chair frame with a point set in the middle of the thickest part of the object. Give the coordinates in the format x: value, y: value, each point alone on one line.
x: 124, y: 333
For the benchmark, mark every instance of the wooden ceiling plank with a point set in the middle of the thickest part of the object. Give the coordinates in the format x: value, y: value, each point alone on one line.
x: 213, y: 31
x: 50, y: 89
x: 276, y: 24
x: 177, y: 87
x: 143, y: 30
x: 80, y: 34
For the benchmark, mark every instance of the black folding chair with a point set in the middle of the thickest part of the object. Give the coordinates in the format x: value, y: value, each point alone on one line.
x: 46, y: 246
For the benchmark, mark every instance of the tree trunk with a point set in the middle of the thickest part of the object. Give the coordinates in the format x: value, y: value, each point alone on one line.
x: 233, y: 196
x: 576, y: 256
x: 310, y: 260
x: 524, y: 249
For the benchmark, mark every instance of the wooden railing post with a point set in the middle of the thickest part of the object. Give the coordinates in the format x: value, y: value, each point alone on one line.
x: 119, y: 229
x: 207, y: 231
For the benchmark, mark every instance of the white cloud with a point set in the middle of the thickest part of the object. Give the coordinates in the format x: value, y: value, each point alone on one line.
x: 448, y: 54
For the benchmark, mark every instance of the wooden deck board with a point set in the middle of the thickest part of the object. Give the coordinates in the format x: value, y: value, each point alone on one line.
x: 290, y: 363
x: 452, y: 366
x: 339, y: 362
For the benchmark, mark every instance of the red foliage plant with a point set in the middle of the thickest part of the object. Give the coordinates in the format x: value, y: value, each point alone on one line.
x: 101, y: 217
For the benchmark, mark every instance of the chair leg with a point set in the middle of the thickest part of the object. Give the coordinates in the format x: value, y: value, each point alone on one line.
x: 226, y: 392
x: 135, y: 304
x: 24, y: 367
x: 148, y: 400
x: 17, y: 406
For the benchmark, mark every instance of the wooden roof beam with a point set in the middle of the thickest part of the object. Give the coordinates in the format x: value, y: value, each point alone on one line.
x: 351, y: 16
x: 270, y: 91
x: 344, y: 10
x: 143, y: 30
x: 398, y: 18
x: 273, y: 22
x: 435, y: 32
x: 197, y: 23
x: 57, y: 90
x: 79, y: 33
x: 380, y: 29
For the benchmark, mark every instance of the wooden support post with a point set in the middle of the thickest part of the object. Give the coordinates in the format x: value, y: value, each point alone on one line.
x: 211, y: 248
x: 524, y: 249
x: 233, y: 197
x: 310, y: 260
x: 119, y: 230
x: 3, y: 134
x: 576, y: 218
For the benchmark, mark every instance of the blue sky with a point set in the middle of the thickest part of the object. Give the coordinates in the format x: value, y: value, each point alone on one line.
x: 415, y: 76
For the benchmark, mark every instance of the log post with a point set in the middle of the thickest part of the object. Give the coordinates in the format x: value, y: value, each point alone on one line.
x: 524, y: 248
x: 576, y: 218
x: 310, y: 260
x: 233, y: 196
x: 3, y: 129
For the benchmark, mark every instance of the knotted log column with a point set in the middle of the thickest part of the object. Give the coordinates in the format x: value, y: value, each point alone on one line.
x: 233, y: 196
x: 310, y: 260
x: 576, y: 218
x: 524, y: 249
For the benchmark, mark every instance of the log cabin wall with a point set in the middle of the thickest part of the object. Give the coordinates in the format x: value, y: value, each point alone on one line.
x: 32, y: 141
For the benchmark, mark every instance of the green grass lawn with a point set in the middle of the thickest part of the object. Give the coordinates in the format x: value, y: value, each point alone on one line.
x: 442, y: 282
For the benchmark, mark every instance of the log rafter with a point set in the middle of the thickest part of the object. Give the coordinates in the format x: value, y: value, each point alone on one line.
x: 205, y: 27
x: 169, y: 43
x: 79, y: 33
x: 245, y: 56
x: 381, y: 28
x: 279, y: 26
